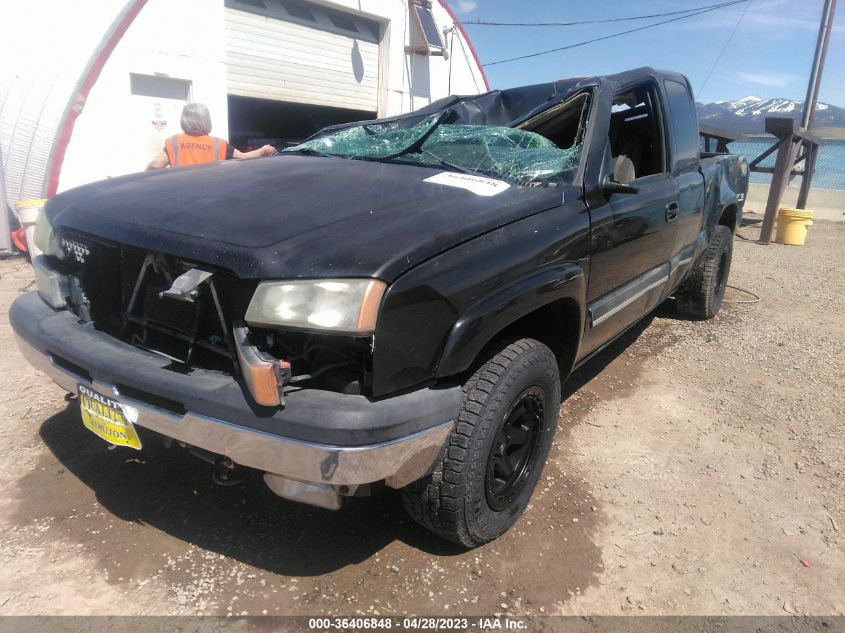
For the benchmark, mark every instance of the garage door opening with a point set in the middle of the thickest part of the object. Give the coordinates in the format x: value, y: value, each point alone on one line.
x: 254, y: 122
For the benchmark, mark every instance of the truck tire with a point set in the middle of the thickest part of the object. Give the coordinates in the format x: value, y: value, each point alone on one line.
x: 489, y: 466
x: 701, y: 293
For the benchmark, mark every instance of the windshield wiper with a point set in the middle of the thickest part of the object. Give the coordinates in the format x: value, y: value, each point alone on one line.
x: 447, y: 116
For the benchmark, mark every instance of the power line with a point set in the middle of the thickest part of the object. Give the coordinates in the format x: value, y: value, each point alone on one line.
x: 724, y: 48
x: 612, y: 35
x: 603, y: 21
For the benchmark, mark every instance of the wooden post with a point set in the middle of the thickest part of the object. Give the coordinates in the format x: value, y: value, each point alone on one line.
x: 783, y: 167
x: 807, y: 178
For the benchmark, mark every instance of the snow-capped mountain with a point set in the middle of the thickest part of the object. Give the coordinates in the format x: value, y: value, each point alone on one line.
x: 748, y: 114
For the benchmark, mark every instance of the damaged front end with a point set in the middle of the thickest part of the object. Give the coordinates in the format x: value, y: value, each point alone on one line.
x: 196, y: 316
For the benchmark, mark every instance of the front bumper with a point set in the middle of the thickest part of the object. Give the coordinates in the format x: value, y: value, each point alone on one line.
x: 319, y: 436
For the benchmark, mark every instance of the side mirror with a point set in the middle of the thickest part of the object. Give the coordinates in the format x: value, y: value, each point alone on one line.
x: 610, y: 186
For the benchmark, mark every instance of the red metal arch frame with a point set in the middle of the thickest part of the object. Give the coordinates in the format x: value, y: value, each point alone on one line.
x: 77, y: 100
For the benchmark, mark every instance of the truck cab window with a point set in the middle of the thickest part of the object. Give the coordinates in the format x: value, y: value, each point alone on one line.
x: 636, y: 138
x: 684, y: 124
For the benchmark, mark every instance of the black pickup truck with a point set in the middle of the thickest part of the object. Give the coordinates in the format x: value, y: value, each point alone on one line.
x: 393, y: 302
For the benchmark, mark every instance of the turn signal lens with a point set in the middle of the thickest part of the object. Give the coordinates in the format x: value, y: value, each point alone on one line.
x: 53, y: 287
x: 259, y: 374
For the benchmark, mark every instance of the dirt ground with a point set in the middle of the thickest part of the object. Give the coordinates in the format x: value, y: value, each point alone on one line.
x: 698, y: 469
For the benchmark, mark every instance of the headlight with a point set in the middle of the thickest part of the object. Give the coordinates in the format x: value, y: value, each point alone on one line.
x: 45, y: 237
x: 348, y: 306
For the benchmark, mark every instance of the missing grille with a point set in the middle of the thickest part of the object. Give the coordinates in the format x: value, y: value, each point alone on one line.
x: 182, y: 316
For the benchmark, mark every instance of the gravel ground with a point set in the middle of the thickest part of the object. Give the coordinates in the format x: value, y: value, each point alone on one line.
x: 698, y: 469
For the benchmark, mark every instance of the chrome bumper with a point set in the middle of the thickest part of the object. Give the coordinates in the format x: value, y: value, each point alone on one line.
x: 398, y: 462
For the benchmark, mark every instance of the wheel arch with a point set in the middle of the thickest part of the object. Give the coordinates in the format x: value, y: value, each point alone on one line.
x: 729, y: 217
x: 548, y: 306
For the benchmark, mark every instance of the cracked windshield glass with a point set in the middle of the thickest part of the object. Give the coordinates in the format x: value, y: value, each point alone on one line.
x: 500, y: 152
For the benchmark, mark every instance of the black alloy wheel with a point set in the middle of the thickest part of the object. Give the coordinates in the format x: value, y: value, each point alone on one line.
x: 482, y: 481
x: 514, y: 451
x: 702, y: 291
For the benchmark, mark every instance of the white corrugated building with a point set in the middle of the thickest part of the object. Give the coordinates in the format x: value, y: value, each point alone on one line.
x: 90, y: 89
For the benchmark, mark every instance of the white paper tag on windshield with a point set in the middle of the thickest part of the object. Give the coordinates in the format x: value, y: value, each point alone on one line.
x: 479, y: 185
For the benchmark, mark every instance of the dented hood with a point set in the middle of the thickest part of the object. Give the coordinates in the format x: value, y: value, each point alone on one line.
x: 295, y: 216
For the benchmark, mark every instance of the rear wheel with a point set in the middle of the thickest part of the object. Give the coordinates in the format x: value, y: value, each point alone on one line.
x: 486, y: 472
x: 700, y: 295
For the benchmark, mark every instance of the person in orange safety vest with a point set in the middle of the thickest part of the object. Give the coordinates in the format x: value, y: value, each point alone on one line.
x: 196, y: 146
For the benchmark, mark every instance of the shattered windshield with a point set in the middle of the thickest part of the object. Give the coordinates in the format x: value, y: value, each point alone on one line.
x: 500, y: 152
x: 375, y: 141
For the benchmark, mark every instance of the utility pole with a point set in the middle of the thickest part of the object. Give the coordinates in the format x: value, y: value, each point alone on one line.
x: 810, y: 102
x: 818, y: 64
x: 793, y: 142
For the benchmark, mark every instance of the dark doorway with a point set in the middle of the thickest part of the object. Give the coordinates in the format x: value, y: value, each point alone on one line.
x: 254, y: 122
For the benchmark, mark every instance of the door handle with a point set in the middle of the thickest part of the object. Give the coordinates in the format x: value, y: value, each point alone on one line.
x: 672, y: 211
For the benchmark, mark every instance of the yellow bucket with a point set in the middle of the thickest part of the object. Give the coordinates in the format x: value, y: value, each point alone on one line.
x: 792, y: 226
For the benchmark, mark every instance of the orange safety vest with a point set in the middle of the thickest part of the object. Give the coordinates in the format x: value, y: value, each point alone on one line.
x: 185, y: 149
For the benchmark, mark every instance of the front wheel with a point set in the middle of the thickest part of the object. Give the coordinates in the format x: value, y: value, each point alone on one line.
x: 700, y: 295
x: 489, y: 466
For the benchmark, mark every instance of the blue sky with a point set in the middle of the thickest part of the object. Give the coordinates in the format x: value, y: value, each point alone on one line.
x: 769, y: 56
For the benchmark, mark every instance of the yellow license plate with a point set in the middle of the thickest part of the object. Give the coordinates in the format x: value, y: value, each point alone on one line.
x: 111, y: 420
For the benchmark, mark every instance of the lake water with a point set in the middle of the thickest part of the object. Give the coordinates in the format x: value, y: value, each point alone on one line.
x: 830, y: 164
